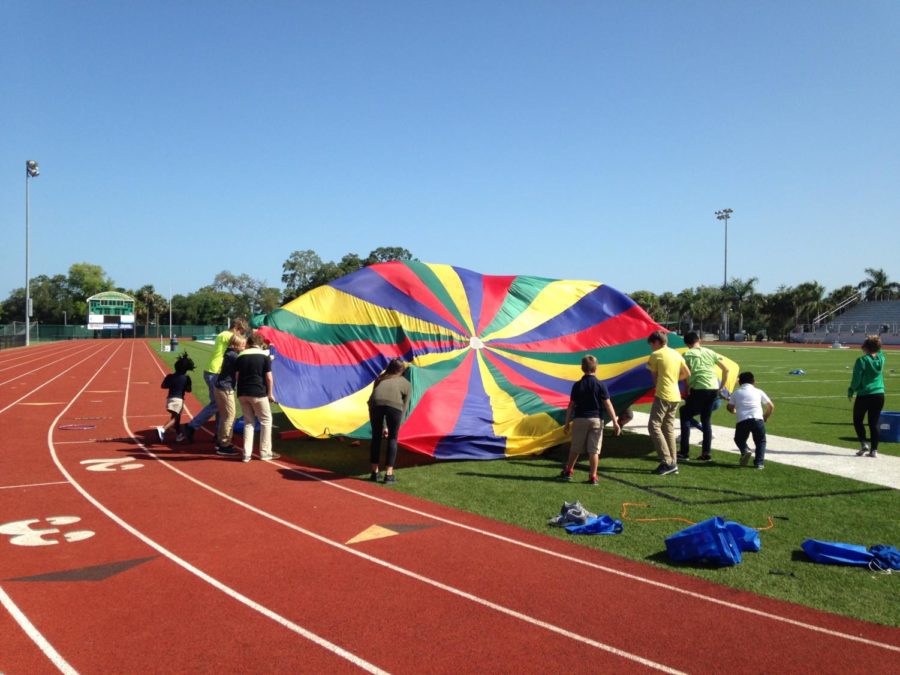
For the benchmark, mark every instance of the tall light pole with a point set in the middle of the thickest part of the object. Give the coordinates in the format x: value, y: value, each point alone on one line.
x: 32, y: 170
x: 724, y: 215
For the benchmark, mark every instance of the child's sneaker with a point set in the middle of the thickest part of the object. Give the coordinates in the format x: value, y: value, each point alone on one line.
x: 565, y: 475
x: 745, y: 458
x: 179, y: 437
x: 873, y: 453
x: 593, y: 480
x: 161, y: 433
x: 863, y: 449
x: 390, y: 478
x: 373, y: 476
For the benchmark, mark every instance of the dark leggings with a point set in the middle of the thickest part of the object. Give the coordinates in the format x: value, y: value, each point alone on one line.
x: 870, y: 405
x: 378, y: 415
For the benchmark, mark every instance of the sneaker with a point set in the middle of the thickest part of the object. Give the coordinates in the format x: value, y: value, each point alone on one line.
x: 704, y: 458
x: 161, y: 433
x: 565, y: 475
x: 863, y: 449
x: 245, y: 458
x: 745, y: 458
x: 390, y: 478
x: 189, y: 433
x: 593, y: 480
x: 669, y: 468
x: 683, y: 458
x: 270, y: 457
x: 179, y: 437
x: 873, y: 453
x: 229, y: 451
x: 658, y: 471
x: 759, y: 466
x: 373, y: 476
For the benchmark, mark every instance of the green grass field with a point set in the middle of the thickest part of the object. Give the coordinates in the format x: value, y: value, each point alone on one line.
x: 799, y: 503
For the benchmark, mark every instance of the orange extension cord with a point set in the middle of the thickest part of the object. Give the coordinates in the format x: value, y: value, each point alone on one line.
x: 624, y: 516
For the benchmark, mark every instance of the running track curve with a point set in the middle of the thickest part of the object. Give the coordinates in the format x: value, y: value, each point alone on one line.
x: 120, y: 554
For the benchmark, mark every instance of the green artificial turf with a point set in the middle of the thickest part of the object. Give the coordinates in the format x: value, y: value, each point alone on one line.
x: 798, y: 503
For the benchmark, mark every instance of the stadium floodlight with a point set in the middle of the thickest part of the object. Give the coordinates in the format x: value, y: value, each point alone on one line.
x: 724, y: 215
x: 32, y: 170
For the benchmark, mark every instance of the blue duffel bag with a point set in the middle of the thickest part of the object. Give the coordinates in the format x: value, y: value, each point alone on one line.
x: 709, y: 541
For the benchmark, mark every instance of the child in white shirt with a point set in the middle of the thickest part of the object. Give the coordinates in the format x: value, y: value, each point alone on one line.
x: 753, y: 408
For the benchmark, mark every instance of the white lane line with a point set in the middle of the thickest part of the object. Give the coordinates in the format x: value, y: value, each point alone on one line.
x: 37, y: 357
x: 35, y: 635
x: 409, y: 573
x: 44, y: 364
x: 16, y: 487
x: 46, y: 382
x: 596, y: 566
x: 215, y: 583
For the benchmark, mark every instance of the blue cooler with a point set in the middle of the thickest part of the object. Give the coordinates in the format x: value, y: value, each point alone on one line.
x: 889, y: 427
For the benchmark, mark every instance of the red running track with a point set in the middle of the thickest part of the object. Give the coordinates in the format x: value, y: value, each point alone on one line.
x: 120, y: 554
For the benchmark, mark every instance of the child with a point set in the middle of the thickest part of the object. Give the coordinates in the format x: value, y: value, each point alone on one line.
x: 178, y: 384
x: 255, y: 391
x: 224, y: 392
x: 753, y: 408
x: 587, y: 402
x: 868, y: 385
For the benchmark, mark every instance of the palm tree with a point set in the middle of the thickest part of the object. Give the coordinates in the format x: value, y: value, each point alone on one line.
x: 808, y: 299
x: 877, y: 285
x: 741, y: 293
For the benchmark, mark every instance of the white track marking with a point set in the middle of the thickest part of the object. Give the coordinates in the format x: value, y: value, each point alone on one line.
x: 563, y: 556
x: 35, y: 635
x: 227, y: 590
x: 17, y: 487
x: 405, y: 572
x: 45, y: 383
x: 19, y: 362
x: 43, y: 365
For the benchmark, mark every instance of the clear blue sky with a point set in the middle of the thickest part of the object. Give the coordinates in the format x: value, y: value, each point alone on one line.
x: 586, y: 140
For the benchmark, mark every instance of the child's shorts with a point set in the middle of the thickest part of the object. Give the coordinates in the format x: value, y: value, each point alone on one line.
x: 587, y: 435
x: 175, y: 404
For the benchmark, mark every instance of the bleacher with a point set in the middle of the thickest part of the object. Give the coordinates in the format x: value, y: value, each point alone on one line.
x: 865, y: 318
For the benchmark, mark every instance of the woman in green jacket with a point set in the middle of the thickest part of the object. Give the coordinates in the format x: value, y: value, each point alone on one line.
x: 868, y: 385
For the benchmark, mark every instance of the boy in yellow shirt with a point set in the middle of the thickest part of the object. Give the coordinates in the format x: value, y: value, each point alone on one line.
x: 668, y: 368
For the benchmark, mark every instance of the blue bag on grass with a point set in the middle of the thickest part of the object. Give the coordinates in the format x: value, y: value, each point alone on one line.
x: 885, y: 557
x: 836, y: 553
x: 599, y: 525
x: 745, y: 537
x: 709, y: 541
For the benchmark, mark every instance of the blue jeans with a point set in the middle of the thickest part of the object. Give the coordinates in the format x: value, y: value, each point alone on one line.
x: 699, y: 402
x: 742, y: 432
x: 210, y: 409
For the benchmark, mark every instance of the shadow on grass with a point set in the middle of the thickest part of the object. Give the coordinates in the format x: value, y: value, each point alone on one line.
x: 662, y: 558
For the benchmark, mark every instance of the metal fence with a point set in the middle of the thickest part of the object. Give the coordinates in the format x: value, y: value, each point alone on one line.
x: 13, y: 334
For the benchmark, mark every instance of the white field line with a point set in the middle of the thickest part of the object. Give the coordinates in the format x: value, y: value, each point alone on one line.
x: 563, y: 632
x: 286, y: 623
x: 555, y: 554
x: 35, y: 635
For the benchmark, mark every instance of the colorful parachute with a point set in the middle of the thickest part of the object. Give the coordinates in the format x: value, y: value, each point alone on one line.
x: 493, y: 357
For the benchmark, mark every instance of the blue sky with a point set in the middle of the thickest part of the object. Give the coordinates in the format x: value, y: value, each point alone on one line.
x: 586, y: 140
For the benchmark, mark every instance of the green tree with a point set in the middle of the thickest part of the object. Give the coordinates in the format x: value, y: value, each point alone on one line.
x: 877, y: 286
x: 387, y: 254
x: 741, y: 293
x: 299, y: 270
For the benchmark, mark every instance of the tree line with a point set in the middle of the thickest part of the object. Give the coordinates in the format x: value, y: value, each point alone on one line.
x: 62, y: 298
x: 773, y: 315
